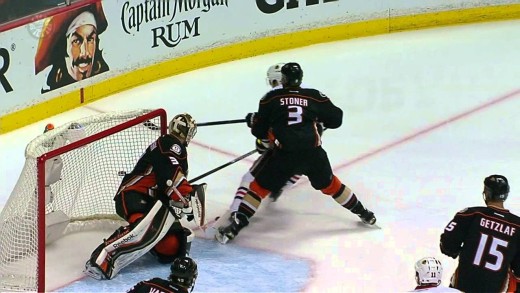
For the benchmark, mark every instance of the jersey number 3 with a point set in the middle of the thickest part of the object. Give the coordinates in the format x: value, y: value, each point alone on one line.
x: 492, y: 250
x: 295, y: 114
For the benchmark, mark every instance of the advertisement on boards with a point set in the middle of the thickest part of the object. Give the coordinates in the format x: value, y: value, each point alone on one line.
x: 69, y: 43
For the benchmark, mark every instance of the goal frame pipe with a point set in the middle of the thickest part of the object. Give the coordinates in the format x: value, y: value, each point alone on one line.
x: 40, y: 162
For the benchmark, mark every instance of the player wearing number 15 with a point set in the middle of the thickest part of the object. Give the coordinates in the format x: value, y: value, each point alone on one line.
x: 486, y: 241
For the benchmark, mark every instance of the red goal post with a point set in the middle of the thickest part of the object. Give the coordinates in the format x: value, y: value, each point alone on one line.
x: 87, y: 170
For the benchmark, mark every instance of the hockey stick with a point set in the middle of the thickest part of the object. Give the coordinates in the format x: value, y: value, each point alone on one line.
x: 221, y: 122
x: 224, y: 166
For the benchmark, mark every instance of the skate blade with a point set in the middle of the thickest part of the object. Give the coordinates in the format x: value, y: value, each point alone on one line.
x: 223, y: 239
x: 373, y: 226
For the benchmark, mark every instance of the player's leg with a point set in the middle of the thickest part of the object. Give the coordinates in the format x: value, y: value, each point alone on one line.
x: 290, y: 183
x: 176, y: 243
x: 128, y: 243
x: 320, y: 173
x: 248, y: 177
x: 272, y: 176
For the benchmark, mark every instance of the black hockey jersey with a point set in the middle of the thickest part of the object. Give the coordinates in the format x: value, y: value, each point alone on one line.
x: 157, y: 285
x: 487, y: 242
x: 165, y: 159
x: 289, y: 116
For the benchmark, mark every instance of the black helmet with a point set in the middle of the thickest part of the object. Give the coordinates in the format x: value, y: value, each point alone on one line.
x: 292, y: 74
x: 496, y: 187
x: 183, y: 272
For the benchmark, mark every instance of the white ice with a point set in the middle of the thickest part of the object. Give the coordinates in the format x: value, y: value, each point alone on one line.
x: 427, y: 115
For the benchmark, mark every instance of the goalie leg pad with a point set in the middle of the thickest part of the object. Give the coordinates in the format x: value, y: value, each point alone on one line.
x: 129, y: 243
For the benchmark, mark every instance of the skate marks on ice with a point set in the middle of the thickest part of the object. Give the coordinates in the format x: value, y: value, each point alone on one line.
x: 221, y: 269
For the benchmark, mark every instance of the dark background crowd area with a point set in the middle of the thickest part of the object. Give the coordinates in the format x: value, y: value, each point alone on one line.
x: 11, y: 10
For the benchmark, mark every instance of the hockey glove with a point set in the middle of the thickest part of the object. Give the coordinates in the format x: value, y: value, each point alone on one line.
x: 262, y: 145
x: 251, y: 119
x: 188, y: 211
x: 177, y: 208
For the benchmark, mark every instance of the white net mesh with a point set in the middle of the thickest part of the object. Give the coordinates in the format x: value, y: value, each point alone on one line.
x: 90, y: 176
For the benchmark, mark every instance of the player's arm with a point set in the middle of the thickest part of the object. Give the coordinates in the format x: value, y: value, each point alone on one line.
x: 330, y: 115
x: 515, y: 268
x: 453, y: 236
x: 260, y: 127
x: 171, y: 177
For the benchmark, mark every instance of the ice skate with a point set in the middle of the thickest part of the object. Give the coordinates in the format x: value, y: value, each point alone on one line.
x: 275, y: 195
x: 367, y: 217
x: 227, y: 233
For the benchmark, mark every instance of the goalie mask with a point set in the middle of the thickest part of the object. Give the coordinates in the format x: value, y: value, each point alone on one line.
x: 183, y: 272
x: 428, y: 270
x: 274, y: 75
x: 496, y: 187
x: 183, y: 127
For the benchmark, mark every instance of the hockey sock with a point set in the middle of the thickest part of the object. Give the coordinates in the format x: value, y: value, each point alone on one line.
x: 348, y: 199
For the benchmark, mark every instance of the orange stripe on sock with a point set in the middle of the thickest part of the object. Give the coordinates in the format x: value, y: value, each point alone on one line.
x: 333, y: 187
x: 259, y: 190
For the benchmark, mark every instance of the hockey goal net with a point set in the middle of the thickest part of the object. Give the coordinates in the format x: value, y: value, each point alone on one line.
x: 91, y: 170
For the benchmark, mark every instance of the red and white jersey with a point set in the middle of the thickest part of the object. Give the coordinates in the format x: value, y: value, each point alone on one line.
x: 431, y: 288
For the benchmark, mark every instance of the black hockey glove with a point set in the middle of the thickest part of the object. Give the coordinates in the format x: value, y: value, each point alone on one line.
x: 251, y: 119
x: 262, y: 145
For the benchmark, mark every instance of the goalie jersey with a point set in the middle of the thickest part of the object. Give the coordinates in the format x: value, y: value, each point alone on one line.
x: 487, y: 242
x: 162, y: 168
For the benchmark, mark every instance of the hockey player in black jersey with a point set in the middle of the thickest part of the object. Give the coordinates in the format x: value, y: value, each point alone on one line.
x: 183, y: 273
x: 288, y: 117
x: 152, y: 199
x: 487, y: 242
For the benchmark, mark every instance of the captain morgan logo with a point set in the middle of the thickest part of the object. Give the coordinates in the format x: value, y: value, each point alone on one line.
x: 177, y: 29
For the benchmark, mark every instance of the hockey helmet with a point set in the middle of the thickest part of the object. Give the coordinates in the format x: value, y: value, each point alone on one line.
x: 183, y: 272
x: 274, y: 75
x: 184, y: 127
x: 292, y: 74
x: 428, y: 270
x: 496, y: 187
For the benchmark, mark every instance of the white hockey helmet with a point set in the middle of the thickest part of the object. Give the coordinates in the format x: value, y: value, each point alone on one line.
x: 428, y: 270
x: 274, y: 75
x: 184, y: 127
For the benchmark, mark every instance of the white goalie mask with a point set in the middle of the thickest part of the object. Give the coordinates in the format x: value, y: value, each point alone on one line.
x: 274, y: 75
x: 184, y: 127
x: 428, y: 270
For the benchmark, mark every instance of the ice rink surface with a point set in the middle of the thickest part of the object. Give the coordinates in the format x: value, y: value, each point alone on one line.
x: 427, y: 115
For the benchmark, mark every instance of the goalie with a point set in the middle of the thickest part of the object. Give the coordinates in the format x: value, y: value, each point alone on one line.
x: 152, y: 199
